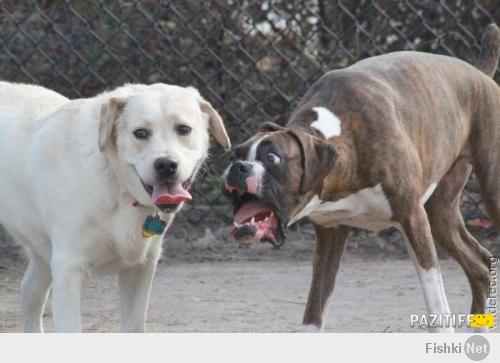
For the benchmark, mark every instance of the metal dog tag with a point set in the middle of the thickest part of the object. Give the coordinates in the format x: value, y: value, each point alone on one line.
x: 153, y: 226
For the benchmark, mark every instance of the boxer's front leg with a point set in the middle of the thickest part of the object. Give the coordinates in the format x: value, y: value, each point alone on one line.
x: 330, y: 244
x: 422, y: 251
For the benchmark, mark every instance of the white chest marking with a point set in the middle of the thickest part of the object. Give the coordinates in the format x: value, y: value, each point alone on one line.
x: 313, y: 205
x: 428, y: 193
x: 252, y: 153
x: 368, y: 208
x: 327, y: 123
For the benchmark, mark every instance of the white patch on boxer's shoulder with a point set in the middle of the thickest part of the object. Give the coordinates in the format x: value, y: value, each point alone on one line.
x: 428, y: 193
x: 367, y: 208
x: 252, y: 153
x: 310, y: 328
x: 327, y: 123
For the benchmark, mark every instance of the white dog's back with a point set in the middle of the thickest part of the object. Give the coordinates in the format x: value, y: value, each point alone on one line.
x: 23, y: 108
x: 27, y: 102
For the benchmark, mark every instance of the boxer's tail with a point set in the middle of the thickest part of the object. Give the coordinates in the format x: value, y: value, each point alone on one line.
x: 490, y: 50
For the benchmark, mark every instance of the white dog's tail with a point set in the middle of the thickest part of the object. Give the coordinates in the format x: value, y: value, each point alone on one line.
x: 490, y: 50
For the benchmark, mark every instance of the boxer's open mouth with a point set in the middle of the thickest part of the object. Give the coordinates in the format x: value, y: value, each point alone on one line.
x: 255, y: 220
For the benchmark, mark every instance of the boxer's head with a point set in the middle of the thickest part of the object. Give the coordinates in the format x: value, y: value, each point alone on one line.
x: 268, y: 177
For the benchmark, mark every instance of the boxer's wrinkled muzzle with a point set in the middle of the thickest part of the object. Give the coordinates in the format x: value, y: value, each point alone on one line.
x: 242, y: 179
x: 237, y: 176
x: 255, y: 218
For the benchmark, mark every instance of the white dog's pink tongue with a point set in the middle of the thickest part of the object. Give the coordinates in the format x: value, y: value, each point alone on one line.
x: 169, y: 193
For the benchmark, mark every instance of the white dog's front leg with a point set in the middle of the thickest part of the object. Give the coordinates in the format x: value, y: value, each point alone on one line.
x: 34, y: 292
x: 67, y: 281
x: 135, y: 287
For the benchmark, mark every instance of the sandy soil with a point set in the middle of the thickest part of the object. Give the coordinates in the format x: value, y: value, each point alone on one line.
x: 202, y: 287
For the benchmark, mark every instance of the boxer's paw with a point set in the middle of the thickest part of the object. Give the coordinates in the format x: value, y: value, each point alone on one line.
x: 310, y: 328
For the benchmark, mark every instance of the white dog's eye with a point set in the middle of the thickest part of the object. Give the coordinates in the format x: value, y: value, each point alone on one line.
x: 272, y: 158
x: 142, y: 134
x: 183, y: 130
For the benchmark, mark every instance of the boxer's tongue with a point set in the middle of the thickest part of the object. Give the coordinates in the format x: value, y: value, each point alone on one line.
x: 254, y: 221
x: 169, y: 193
x: 251, y: 209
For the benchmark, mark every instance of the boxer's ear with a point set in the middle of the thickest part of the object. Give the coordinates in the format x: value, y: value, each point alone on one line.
x: 215, y: 123
x: 270, y: 126
x: 318, y: 159
x: 110, y: 112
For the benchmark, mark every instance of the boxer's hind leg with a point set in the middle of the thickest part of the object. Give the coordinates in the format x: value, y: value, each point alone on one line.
x: 412, y: 218
x: 487, y: 168
x: 448, y: 229
x: 485, y: 151
x: 330, y: 244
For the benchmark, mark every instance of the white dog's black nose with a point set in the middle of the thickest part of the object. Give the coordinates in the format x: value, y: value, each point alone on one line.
x: 165, y: 167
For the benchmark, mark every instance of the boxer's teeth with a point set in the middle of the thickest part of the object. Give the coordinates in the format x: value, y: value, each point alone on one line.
x: 252, y: 221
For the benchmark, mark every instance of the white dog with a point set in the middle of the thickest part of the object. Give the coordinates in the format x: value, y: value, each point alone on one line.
x: 90, y: 184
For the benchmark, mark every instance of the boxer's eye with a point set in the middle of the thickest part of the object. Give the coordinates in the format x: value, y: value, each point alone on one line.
x: 272, y: 158
x: 142, y: 134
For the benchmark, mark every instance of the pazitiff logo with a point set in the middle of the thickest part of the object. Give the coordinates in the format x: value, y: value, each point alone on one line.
x: 482, y: 321
x: 475, y: 348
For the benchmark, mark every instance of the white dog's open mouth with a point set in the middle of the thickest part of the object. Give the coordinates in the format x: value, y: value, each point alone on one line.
x: 168, y: 194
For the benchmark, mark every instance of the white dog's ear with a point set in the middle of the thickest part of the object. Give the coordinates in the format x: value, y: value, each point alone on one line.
x: 216, y: 125
x: 110, y: 111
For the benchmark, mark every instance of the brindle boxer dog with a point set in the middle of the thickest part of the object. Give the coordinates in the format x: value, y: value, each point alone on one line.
x: 389, y: 141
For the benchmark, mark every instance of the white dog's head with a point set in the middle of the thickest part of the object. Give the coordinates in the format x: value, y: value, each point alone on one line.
x: 159, y: 138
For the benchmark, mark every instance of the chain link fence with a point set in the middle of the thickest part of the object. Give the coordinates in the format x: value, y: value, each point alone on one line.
x: 252, y: 59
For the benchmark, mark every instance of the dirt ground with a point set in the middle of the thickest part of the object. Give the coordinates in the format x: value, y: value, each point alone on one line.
x: 210, y: 285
